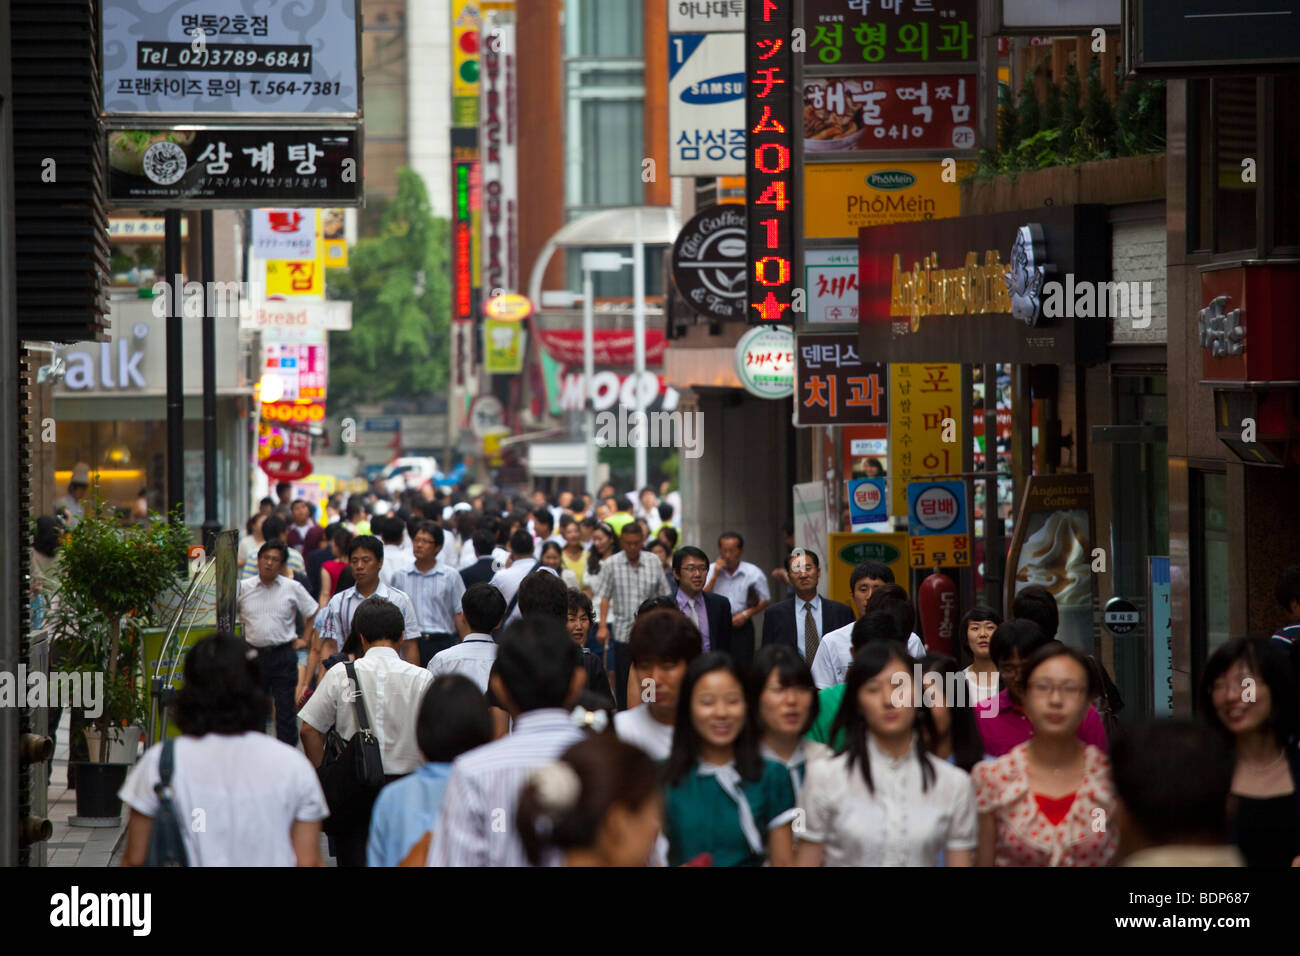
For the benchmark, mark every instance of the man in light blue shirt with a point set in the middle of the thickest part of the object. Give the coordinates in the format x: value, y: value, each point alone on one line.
x: 453, y: 719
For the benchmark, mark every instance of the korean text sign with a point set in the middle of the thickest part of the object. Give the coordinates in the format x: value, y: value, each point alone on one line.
x: 216, y: 57
x: 890, y: 112
x: 938, y: 524
x: 706, y: 104
x: 869, y: 32
x: 835, y: 387
x: 922, y: 397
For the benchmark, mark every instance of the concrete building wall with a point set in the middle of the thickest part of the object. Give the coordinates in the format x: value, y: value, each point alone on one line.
x: 428, y: 98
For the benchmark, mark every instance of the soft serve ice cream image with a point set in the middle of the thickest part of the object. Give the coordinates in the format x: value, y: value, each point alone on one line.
x: 1057, y: 555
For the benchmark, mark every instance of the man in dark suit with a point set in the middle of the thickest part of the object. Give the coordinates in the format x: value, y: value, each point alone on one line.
x: 711, y: 612
x: 787, y: 622
x: 481, y: 571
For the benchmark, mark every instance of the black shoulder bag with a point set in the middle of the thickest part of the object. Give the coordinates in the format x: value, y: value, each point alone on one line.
x: 352, y: 773
x: 166, y: 842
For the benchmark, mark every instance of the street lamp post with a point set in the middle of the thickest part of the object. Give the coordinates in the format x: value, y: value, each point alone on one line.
x: 638, y: 334
x: 597, y: 262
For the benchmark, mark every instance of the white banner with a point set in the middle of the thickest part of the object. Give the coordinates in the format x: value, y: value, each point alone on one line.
x: 284, y: 234
x: 717, y: 16
x: 831, y: 278
x: 706, y: 104
x: 498, y: 148
x: 331, y: 316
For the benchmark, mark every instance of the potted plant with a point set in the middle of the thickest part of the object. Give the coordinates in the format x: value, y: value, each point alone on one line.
x: 108, y: 583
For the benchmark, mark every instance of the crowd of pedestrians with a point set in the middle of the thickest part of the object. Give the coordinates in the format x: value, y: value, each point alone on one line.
x: 564, y: 682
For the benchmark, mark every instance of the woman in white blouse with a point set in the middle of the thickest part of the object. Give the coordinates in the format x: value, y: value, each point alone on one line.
x: 885, y: 801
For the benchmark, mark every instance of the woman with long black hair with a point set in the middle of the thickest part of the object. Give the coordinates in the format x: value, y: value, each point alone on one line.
x: 782, y: 700
x: 972, y: 651
x: 723, y: 799
x: 952, y: 734
x: 884, y: 800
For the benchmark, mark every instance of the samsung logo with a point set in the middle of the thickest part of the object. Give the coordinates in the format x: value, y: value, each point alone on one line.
x: 890, y: 179
x: 718, y: 89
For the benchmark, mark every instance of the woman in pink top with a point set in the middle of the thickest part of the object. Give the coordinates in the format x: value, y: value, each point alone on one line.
x: 1048, y: 801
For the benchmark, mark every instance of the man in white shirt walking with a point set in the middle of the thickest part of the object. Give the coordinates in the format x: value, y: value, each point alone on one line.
x: 538, y: 678
x: 435, y: 591
x: 521, y: 562
x: 366, y: 559
x: 391, y: 531
x: 391, y: 690
x: 268, y: 606
x: 870, y: 592
x: 473, y: 656
x: 744, y: 585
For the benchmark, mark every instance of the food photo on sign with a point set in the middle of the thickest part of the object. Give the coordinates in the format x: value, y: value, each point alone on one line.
x: 889, y: 112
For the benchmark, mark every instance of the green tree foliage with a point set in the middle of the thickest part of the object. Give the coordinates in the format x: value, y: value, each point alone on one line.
x: 1140, y: 116
x: 399, y: 286
x: 1052, y: 107
x: 1071, y: 107
x: 1027, y: 113
x: 1098, y: 115
x: 1006, y: 119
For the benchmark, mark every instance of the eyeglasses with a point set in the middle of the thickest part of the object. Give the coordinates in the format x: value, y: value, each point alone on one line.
x: 1046, y: 688
x: 694, y: 568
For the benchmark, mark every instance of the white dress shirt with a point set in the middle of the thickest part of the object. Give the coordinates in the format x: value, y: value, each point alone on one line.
x: 800, y: 613
x: 336, y: 621
x: 735, y: 586
x: 250, y: 788
x: 435, y: 594
x: 897, y: 824
x: 396, y: 560
x: 507, y: 581
x: 638, y: 726
x: 267, y: 611
x: 835, y: 656
x: 476, y: 824
x: 473, y: 657
x: 391, y: 690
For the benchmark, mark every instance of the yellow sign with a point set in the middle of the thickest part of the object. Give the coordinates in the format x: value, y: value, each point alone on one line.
x: 298, y: 278
x: 503, y: 347
x: 847, y: 551
x: 841, y: 198
x: 508, y: 307
x: 924, y: 409
x: 466, y: 41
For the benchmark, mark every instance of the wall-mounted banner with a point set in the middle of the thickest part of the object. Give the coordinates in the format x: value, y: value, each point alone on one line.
x: 157, y: 169
x: 503, y: 347
x: 499, y: 149
x: 923, y: 399
x: 841, y: 198
x: 831, y: 280
x: 709, y: 262
x: 834, y: 385
x: 769, y: 179
x: 706, y: 104
x: 765, y: 361
x: 205, y: 57
x: 1023, y: 287
x: 1052, y: 546
x: 715, y: 16
x: 283, y: 234
x: 921, y: 111
x: 938, y: 524
x: 885, y: 32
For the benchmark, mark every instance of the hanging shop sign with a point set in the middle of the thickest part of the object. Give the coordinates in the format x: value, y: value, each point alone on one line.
x: 616, y: 347
x: 283, y: 234
x: 769, y: 179
x: 221, y: 168
x: 891, y: 31
x: 706, y: 104
x: 841, y: 198
x: 765, y: 361
x: 302, y: 370
x: 847, y: 551
x: 499, y: 158
x: 831, y: 281
x: 715, y: 16
x: 466, y: 267
x: 333, y: 316
x: 1259, y: 343
x: 1180, y: 36
x: 709, y: 262
x: 867, y: 505
x: 216, y: 58
x: 1021, y: 287
x: 486, y: 414
x: 503, y: 347
x: 834, y: 385
x: 1052, y: 547
x: 285, y: 467
x: 508, y: 307
x: 924, y: 408
x: 938, y: 524
x: 921, y: 111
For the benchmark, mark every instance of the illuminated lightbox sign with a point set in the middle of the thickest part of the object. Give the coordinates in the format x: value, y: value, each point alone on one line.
x: 769, y: 180
x: 851, y: 114
x: 885, y: 32
x: 706, y: 104
x: 499, y: 161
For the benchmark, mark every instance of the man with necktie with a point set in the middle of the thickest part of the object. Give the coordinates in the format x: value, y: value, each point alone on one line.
x: 802, y: 621
x: 711, y: 613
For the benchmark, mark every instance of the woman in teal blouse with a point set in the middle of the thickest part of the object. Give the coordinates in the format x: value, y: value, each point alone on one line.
x: 722, y: 797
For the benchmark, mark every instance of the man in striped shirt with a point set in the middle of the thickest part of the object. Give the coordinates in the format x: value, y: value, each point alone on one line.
x: 538, y: 676
x: 366, y: 558
x: 435, y: 591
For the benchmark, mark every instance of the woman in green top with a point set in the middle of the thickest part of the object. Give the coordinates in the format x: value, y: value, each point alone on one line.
x: 782, y: 697
x: 722, y: 797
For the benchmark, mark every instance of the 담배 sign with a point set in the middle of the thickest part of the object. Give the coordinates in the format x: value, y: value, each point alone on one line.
x: 939, y: 525
x: 867, y: 502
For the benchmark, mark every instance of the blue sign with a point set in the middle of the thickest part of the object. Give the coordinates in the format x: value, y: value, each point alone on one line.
x: 381, y: 424
x: 867, y: 501
x: 936, y: 507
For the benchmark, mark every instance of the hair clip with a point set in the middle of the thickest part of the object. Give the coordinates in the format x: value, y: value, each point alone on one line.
x: 557, y: 786
x: 593, y: 720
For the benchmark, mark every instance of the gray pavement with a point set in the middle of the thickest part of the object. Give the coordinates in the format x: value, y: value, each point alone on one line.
x: 76, y: 846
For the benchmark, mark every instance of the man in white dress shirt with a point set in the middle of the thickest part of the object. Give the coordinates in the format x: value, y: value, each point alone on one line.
x: 870, y: 592
x: 391, y: 531
x: 744, y: 585
x: 366, y: 559
x: 391, y: 690
x: 473, y: 656
x: 521, y: 562
x: 268, y: 606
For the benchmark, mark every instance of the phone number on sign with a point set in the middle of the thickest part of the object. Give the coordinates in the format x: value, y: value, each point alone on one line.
x: 223, y: 56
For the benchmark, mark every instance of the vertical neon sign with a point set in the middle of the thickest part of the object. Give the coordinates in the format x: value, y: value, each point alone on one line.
x: 769, y: 176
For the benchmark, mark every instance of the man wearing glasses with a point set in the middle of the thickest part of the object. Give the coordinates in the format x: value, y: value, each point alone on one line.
x: 710, y: 612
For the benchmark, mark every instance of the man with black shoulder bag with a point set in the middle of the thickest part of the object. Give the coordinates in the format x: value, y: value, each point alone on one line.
x: 368, y: 710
